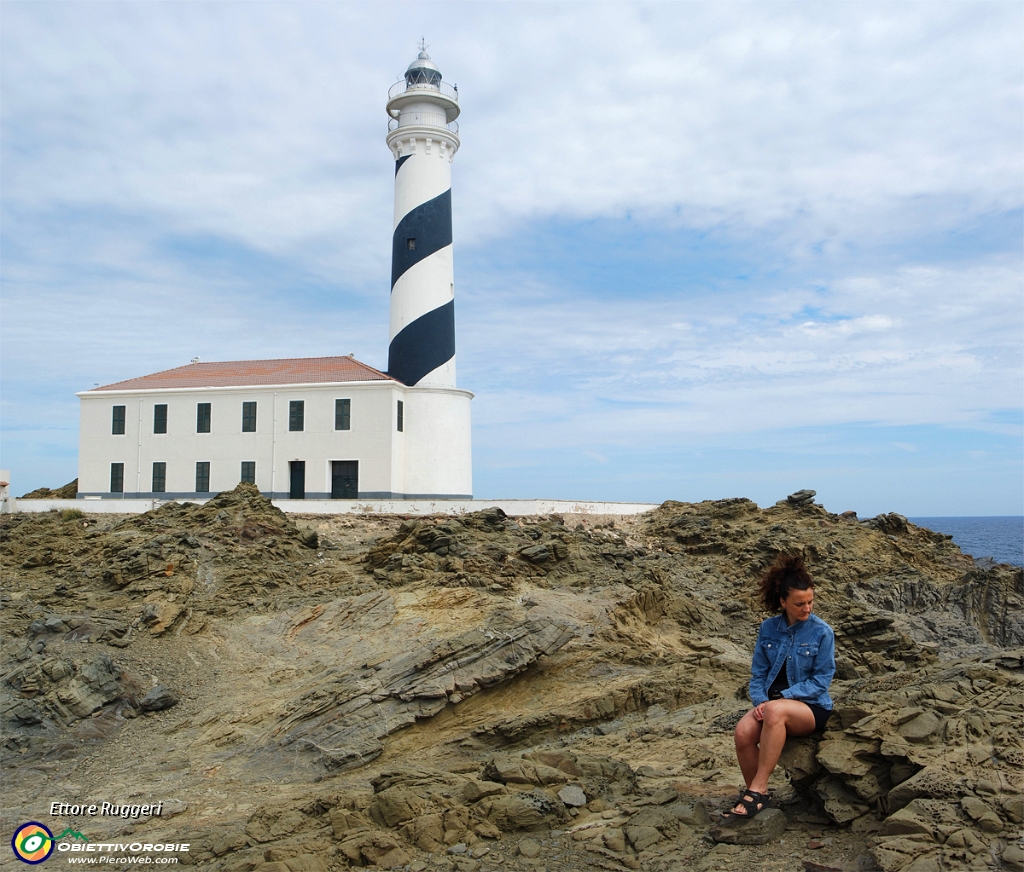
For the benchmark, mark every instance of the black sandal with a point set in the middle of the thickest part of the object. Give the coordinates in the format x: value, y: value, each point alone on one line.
x: 752, y: 803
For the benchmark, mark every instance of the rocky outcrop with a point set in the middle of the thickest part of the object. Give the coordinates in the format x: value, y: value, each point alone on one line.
x: 351, y: 710
x: 53, y: 692
x: 67, y: 492
x: 931, y: 758
x: 801, y: 498
x: 324, y: 693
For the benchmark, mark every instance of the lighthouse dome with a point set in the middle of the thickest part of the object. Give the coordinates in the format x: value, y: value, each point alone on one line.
x: 423, y: 71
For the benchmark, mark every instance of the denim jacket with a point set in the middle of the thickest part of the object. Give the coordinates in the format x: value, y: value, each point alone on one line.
x: 808, y: 651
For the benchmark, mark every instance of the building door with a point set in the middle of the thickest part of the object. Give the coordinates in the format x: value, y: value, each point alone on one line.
x: 344, y: 479
x: 297, y: 468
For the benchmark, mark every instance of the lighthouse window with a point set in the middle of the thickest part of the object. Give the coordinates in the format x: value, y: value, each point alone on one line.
x: 248, y: 418
x: 342, y: 414
x: 159, y: 477
x: 160, y: 418
x: 296, y: 414
x: 248, y: 471
x: 411, y: 243
x: 117, y: 421
x: 117, y: 478
x: 202, y: 417
x: 401, y: 417
x: 203, y: 477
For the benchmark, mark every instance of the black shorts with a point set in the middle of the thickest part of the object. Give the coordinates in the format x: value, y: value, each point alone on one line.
x: 821, y: 716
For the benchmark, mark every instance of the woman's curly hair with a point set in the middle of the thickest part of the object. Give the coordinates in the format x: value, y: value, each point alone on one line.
x: 786, y: 574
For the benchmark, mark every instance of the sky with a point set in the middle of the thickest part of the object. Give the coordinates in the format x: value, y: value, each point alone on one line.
x: 702, y: 250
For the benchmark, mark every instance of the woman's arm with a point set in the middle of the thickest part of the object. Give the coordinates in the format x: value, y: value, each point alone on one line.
x: 759, y: 668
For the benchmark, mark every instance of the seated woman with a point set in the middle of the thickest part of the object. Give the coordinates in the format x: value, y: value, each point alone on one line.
x: 794, y: 661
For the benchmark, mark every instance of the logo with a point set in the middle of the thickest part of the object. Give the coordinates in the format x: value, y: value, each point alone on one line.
x: 32, y: 843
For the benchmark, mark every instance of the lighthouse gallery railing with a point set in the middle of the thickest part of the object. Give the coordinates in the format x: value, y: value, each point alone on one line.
x: 443, y: 87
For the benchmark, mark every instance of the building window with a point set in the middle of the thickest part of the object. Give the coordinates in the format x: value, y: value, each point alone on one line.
x: 248, y: 418
x: 117, y: 422
x: 117, y: 477
x: 342, y: 414
x: 249, y: 470
x: 411, y: 243
x: 296, y: 413
x: 160, y: 418
x: 160, y: 476
x: 203, y: 477
x: 202, y: 417
x: 401, y: 417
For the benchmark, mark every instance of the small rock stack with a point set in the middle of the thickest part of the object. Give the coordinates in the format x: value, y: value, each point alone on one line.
x: 799, y: 500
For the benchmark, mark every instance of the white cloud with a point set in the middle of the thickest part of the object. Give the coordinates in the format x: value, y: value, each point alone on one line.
x: 265, y: 123
x: 904, y: 363
x: 754, y: 115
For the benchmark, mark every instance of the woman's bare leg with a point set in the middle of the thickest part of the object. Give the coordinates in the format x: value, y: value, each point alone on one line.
x: 765, y: 728
x: 747, y: 735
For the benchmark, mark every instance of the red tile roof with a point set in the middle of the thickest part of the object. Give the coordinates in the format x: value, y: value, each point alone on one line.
x: 243, y: 373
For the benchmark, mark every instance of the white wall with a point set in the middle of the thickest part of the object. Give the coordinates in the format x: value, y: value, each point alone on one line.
x: 438, y: 450
x: 514, y: 508
x: 431, y: 458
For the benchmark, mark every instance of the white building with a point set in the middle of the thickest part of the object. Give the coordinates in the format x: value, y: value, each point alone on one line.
x: 328, y: 427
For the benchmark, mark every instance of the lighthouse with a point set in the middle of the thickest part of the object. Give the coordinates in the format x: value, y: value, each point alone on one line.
x: 309, y: 428
x: 423, y: 137
x: 434, y: 451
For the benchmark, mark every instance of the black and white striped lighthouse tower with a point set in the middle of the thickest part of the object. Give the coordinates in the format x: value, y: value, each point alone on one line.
x: 423, y: 137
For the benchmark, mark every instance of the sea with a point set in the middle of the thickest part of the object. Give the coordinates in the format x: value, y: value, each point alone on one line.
x: 1000, y: 538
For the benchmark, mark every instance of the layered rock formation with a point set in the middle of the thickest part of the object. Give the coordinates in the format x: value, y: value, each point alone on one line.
x: 483, y: 693
x: 67, y: 492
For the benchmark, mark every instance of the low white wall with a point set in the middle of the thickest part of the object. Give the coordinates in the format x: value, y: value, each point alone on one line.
x: 89, y: 506
x: 460, y: 507
x: 361, y: 507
